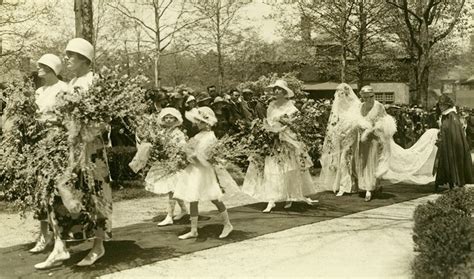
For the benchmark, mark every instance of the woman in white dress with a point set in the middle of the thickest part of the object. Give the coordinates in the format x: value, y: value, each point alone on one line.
x: 49, y: 67
x: 200, y: 180
x: 285, y: 175
x: 378, y: 157
x: 157, y: 179
x: 338, y: 171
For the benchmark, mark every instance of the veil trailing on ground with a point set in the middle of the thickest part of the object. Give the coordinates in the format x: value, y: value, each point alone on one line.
x: 415, y: 164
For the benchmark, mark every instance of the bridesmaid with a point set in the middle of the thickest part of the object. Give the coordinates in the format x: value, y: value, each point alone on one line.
x: 201, y: 181
x: 49, y: 67
x: 85, y: 143
x: 285, y: 175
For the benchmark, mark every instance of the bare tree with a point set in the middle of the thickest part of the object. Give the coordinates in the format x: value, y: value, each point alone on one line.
x: 167, y: 24
x: 422, y: 25
x: 356, y: 25
x: 215, y: 27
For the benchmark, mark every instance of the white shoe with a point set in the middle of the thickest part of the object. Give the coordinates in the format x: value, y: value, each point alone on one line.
x: 368, y: 196
x: 188, y: 235
x: 288, y: 204
x: 54, y: 259
x: 180, y: 216
x: 167, y: 221
x: 340, y: 194
x: 310, y: 201
x: 269, y: 208
x: 42, y: 243
x: 226, y: 231
x: 91, y: 258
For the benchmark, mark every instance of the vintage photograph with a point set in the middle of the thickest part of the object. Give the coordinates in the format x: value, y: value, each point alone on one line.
x: 237, y: 139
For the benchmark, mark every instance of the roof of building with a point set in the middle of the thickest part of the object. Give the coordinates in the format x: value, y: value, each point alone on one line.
x: 324, y: 86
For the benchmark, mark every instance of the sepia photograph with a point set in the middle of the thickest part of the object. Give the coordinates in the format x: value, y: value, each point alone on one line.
x: 237, y: 139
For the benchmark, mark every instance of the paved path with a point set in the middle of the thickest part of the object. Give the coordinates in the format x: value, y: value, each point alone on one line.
x: 371, y: 244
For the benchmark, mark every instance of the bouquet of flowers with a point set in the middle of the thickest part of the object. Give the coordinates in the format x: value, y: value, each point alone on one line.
x: 166, y: 154
x: 110, y: 96
x: 21, y: 133
x: 258, y: 142
x: 310, y: 126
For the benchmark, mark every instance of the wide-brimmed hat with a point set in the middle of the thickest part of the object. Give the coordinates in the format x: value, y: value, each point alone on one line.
x: 283, y: 85
x: 52, y: 61
x: 81, y: 46
x: 170, y: 111
x: 204, y: 114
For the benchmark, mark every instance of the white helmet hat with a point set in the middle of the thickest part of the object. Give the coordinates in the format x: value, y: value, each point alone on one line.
x: 52, y: 61
x: 81, y: 46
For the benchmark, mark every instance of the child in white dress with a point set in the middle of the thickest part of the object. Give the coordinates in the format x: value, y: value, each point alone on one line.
x: 199, y: 181
x: 157, y: 179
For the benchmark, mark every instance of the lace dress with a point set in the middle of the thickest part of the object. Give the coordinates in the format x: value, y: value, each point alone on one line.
x: 285, y: 176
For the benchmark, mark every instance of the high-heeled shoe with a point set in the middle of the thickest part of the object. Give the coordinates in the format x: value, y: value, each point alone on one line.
x: 53, y: 260
x: 42, y: 243
x: 91, y: 258
x: 310, y: 201
x: 167, y: 221
x: 340, y: 193
x: 368, y: 196
x: 269, y: 208
x: 288, y: 204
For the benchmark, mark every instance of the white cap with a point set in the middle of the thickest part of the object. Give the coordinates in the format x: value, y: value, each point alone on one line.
x: 51, y: 61
x: 81, y: 46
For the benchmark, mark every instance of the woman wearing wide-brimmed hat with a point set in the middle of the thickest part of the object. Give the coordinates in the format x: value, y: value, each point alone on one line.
x: 285, y: 176
x: 87, y: 146
x: 49, y: 67
x: 201, y: 181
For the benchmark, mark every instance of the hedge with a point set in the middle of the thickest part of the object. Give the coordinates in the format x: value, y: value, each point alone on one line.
x: 443, y: 236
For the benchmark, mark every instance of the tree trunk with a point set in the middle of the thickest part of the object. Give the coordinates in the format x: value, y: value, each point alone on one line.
x: 157, y: 57
x: 361, y: 45
x: 423, y: 85
x: 220, y: 68
x: 84, y: 20
x: 343, y: 63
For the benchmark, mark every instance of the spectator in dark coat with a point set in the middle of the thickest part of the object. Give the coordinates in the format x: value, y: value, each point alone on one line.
x: 454, y: 162
x: 221, y: 110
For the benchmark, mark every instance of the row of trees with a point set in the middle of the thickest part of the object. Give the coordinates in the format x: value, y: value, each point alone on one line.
x: 202, y: 42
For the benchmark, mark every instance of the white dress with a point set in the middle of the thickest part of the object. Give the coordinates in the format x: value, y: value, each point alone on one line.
x: 157, y: 179
x: 283, y: 177
x: 201, y: 181
x: 45, y: 98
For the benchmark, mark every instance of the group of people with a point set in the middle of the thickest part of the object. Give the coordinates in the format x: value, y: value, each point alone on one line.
x: 358, y: 152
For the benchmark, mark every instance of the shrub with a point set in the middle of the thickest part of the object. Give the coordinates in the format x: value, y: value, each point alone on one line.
x: 443, y: 236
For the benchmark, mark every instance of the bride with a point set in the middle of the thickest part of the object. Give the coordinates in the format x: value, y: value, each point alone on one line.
x: 347, y: 129
x: 337, y: 173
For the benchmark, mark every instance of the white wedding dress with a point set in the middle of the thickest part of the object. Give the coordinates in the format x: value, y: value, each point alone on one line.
x: 396, y: 164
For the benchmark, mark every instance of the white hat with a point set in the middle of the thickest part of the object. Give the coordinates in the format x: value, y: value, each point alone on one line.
x: 204, y: 114
x: 170, y: 111
x: 367, y: 88
x: 81, y: 46
x: 51, y: 61
x: 283, y: 85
